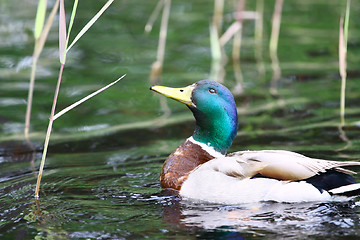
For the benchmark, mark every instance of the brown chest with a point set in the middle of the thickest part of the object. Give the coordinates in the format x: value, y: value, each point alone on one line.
x: 180, y: 163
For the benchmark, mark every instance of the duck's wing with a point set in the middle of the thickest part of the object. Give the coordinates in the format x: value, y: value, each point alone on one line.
x: 233, y: 166
x: 286, y: 165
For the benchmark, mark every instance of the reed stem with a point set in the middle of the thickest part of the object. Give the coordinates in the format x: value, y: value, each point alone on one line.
x: 258, y: 38
x: 273, y: 46
x: 275, y: 30
x: 154, y: 15
x: 238, y: 34
x: 48, y: 133
x: 218, y: 14
x: 163, y: 31
x: 30, y: 97
x: 63, y: 49
x: 41, y: 33
x: 156, y: 68
x: 343, y: 37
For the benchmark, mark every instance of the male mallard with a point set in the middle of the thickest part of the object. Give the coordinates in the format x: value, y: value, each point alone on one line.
x: 199, y: 168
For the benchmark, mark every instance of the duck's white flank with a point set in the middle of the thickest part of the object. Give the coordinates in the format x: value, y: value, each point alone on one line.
x: 222, y: 180
x: 206, y: 148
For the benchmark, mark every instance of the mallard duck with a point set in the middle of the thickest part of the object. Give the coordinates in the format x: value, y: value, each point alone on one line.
x: 200, y: 169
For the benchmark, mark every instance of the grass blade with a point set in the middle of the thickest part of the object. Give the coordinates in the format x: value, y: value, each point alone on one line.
x: 65, y: 110
x: 62, y: 33
x: 40, y: 18
x: 90, y: 23
x: 73, y: 13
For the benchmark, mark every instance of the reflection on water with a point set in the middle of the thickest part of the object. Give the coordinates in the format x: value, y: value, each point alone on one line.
x: 297, y: 221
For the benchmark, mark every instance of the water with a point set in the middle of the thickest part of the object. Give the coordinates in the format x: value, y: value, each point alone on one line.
x: 101, y: 176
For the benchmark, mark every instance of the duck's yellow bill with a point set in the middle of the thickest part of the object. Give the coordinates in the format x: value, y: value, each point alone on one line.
x: 179, y: 94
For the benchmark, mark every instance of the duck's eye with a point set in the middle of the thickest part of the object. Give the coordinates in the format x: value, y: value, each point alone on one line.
x: 212, y: 91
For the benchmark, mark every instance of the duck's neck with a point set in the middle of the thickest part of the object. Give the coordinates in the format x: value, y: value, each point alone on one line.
x: 218, y: 131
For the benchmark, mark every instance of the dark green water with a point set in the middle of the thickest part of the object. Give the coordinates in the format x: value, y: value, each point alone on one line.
x: 101, y: 176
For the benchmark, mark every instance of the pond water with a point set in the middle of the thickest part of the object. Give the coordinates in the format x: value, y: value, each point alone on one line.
x: 101, y: 177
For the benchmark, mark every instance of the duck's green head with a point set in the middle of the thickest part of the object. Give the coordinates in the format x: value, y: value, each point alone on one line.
x: 214, y: 109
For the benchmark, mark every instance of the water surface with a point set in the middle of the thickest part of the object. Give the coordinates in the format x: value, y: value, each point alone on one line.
x: 101, y: 176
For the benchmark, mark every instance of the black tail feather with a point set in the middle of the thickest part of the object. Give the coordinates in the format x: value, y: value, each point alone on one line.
x: 333, y: 179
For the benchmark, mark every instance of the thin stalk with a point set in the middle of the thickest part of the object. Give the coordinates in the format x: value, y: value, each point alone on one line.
x: 218, y: 14
x: 156, y: 68
x: 40, y: 34
x: 239, y: 87
x: 48, y: 133
x: 63, y: 49
x: 259, y: 26
x: 163, y: 31
x: 215, y: 42
x: 229, y: 33
x: 238, y: 35
x: 273, y: 46
x: 343, y: 35
x: 218, y: 57
x: 237, y: 25
x: 275, y: 30
x: 30, y: 97
x: 237, y: 45
x: 153, y: 16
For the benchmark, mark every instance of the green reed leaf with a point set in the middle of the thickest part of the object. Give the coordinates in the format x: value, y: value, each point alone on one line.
x: 65, y: 110
x: 73, y: 13
x: 46, y: 29
x: 90, y: 23
x: 346, y: 23
x: 62, y: 33
x: 40, y: 18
